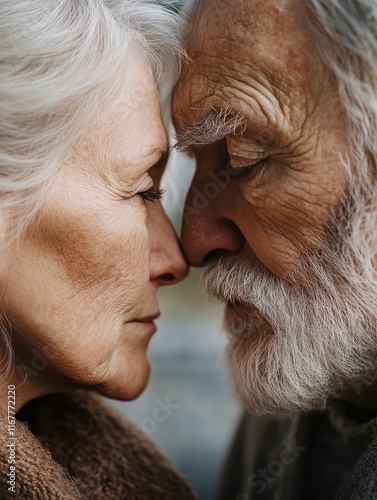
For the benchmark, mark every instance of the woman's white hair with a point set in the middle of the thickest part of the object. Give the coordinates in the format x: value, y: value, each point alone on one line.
x: 61, y: 64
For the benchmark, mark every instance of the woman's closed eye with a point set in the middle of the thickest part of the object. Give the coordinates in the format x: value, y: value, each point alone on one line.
x: 152, y: 194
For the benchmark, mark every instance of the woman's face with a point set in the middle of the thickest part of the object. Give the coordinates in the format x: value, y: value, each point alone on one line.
x: 80, y: 289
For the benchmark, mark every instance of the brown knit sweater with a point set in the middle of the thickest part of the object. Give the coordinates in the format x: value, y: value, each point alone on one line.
x: 73, y: 446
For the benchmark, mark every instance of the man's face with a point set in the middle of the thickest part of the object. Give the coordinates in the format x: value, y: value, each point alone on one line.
x: 260, y: 63
x: 261, y: 113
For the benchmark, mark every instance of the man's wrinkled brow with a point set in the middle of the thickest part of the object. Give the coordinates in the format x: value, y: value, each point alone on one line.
x: 212, y: 128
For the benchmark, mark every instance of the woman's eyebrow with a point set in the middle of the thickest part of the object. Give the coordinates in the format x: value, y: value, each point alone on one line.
x: 152, y: 157
x: 164, y: 157
x: 160, y: 154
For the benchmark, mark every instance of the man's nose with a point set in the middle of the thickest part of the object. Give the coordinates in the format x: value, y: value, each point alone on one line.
x: 207, y: 226
x: 167, y: 263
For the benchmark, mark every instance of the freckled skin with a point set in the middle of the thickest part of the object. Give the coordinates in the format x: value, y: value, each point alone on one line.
x: 93, y: 260
x: 259, y: 58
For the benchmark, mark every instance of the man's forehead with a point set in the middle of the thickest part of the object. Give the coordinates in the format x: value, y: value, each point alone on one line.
x: 237, y: 42
x: 232, y: 30
x: 212, y: 14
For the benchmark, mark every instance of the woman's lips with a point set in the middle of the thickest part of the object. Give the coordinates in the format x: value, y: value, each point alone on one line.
x: 148, y: 319
x: 147, y: 323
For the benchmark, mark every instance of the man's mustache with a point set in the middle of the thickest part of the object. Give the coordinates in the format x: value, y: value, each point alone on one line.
x: 231, y: 279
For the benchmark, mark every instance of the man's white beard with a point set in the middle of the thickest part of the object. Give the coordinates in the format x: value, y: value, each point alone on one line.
x: 291, y: 345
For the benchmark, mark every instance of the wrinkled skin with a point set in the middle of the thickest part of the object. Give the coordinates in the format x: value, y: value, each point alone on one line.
x: 80, y: 288
x: 268, y: 193
x: 264, y: 65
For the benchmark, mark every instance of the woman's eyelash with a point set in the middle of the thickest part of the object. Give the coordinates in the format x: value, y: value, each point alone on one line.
x: 152, y: 194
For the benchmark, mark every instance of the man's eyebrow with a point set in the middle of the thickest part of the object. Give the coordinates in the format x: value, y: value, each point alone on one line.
x: 209, y: 129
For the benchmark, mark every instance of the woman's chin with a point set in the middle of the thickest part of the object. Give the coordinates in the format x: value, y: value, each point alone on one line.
x: 127, y: 386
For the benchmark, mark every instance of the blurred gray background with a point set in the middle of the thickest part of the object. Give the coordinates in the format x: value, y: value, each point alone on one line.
x: 188, y: 375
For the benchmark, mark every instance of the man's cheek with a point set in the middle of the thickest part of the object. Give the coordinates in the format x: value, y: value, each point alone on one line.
x: 272, y: 244
x: 298, y: 209
x: 279, y: 228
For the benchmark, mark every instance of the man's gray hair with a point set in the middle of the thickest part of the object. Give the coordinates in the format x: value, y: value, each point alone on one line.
x: 61, y: 65
x: 346, y: 31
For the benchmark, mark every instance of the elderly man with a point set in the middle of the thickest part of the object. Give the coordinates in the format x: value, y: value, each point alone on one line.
x: 279, y: 107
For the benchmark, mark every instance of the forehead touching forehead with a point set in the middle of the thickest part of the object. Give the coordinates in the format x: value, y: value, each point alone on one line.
x: 265, y: 45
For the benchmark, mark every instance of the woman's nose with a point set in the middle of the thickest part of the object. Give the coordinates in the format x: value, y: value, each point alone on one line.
x: 167, y: 263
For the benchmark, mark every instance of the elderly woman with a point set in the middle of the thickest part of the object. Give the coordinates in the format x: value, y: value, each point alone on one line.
x: 83, y: 247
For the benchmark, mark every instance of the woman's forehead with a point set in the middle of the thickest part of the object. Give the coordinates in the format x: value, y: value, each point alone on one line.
x: 132, y: 135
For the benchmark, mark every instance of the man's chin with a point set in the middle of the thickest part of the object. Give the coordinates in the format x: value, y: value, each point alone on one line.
x: 256, y: 373
x: 245, y: 323
x: 259, y: 397
x: 296, y: 345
